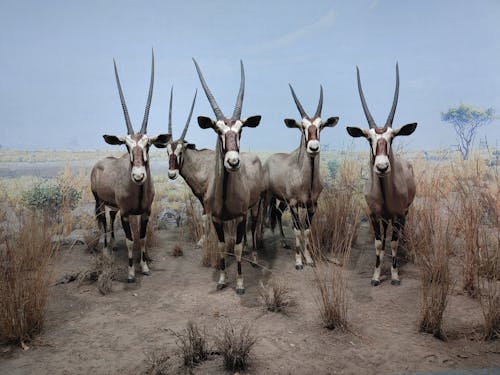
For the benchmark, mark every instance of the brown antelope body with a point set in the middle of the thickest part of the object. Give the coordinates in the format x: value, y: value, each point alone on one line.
x: 124, y: 184
x: 391, y: 187
x: 237, y: 184
x: 294, y: 178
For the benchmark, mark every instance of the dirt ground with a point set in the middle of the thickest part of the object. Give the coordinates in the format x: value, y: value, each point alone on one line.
x: 87, y: 333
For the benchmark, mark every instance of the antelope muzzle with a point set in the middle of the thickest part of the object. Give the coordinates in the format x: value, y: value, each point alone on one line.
x: 232, y: 152
x: 312, y: 140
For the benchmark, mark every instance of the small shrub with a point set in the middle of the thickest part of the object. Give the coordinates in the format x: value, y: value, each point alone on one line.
x: 25, y: 279
x: 333, y: 167
x: 234, y: 345
x: 159, y: 363
x: 192, y: 344
x: 50, y: 198
x: 102, y: 270
x: 331, y: 287
x: 275, y: 296
x: 177, y: 251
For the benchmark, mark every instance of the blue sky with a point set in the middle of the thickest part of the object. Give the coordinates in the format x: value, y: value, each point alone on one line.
x: 58, y: 89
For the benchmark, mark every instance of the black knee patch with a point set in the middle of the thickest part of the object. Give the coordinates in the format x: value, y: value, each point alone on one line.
x: 394, y: 262
x: 144, y: 227
x: 239, y: 268
x: 222, y: 264
x: 377, y: 261
x: 126, y: 229
x: 130, y: 262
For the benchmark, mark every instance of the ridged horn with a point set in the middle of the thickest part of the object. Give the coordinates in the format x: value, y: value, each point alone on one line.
x: 218, y: 113
x: 320, y: 103
x: 390, y: 119
x: 124, y: 105
x: 369, y: 117
x: 170, y: 111
x: 297, y: 103
x: 189, y: 118
x: 150, y: 96
x: 239, y: 99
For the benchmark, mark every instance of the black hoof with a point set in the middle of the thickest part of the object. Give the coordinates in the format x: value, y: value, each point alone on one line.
x: 395, y: 282
x: 148, y: 273
x: 240, y: 291
x: 375, y: 282
x: 131, y: 280
x: 299, y: 267
x: 221, y: 286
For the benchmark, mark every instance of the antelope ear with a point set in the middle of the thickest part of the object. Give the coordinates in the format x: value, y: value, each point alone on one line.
x: 160, y: 141
x: 291, y: 123
x: 205, y: 122
x: 113, y: 139
x: 405, y: 129
x: 251, y: 121
x: 191, y: 146
x: 356, y: 132
x: 331, y: 122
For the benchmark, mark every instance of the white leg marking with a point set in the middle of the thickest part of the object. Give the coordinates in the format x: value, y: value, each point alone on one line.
x: 298, y: 255
x: 380, y: 253
x: 394, y: 271
x: 238, y: 249
x: 131, y: 269
x: 144, y: 264
x: 307, y: 241
x: 222, y: 254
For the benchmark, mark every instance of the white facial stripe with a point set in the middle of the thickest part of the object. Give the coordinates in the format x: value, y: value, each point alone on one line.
x: 178, y: 149
x: 306, y: 122
x: 317, y: 122
x: 169, y: 148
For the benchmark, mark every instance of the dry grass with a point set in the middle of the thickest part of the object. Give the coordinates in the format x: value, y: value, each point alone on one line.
x: 103, y: 271
x: 235, y: 345
x: 338, y: 216
x: 276, y: 296
x: 430, y: 239
x: 158, y: 363
x: 330, y: 285
x: 192, y: 344
x: 25, y: 278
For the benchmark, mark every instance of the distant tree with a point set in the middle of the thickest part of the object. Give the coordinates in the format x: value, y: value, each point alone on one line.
x: 466, y: 120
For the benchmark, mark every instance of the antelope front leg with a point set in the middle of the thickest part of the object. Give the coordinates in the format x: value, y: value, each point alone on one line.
x: 238, y: 249
x: 307, y: 236
x: 397, y: 228
x: 143, y: 230
x: 130, y: 247
x: 379, y: 249
x: 281, y: 208
x: 112, y: 216
x: 219, y: 228
x: 204, y: 229
x: 298, y: 235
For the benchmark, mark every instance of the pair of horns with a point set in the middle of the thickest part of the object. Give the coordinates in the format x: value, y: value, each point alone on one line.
x: 184, y: 131
x: 369, y: 117
x: 130, y: 129
x: 301, y: 109
x: 239, y: 100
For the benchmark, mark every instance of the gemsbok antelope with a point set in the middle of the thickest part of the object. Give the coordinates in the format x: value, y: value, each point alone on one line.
x: 391, y: 188
x: 294, y: 178
x: 195, y: 166
x: 237, y: 184
x: 124, y: 184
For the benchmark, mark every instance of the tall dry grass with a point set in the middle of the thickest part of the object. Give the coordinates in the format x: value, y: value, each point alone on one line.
x: 25, y: 278
x: 235, y: 345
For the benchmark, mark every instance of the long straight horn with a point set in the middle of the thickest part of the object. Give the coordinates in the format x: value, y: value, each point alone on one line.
x: 239, y: 99
x: 189, y: 117
x: 170, y: 111
x: 150, y: 95
x: 297, y: 103
x: 218, y: 113
x: 124, y: 105
x: 369, y: 117
x: 395, y: 101
x: 320, y: 103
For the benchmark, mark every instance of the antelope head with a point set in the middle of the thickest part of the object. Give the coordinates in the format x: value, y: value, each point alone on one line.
x: 228, y: 129
x: 176, y: 148
x: 137, y: 143
x: 311, y: 126
x: 380, y: 138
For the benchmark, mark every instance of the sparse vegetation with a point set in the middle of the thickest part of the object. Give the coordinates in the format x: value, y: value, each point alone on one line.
x: 276, y: 296
x: 235, y: 345
x: 192, y: 344
x: 104, y: 271
x: 25, y: 278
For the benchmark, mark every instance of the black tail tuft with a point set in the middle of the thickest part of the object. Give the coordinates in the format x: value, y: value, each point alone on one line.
x: 273, y: 214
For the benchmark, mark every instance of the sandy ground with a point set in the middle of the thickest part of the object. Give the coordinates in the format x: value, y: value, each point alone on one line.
x: 87, y: 333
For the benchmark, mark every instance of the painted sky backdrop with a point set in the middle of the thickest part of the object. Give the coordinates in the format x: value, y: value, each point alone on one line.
x: 58, y: 88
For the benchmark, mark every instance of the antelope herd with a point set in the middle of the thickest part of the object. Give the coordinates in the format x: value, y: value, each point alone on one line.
x: 231, y: 184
